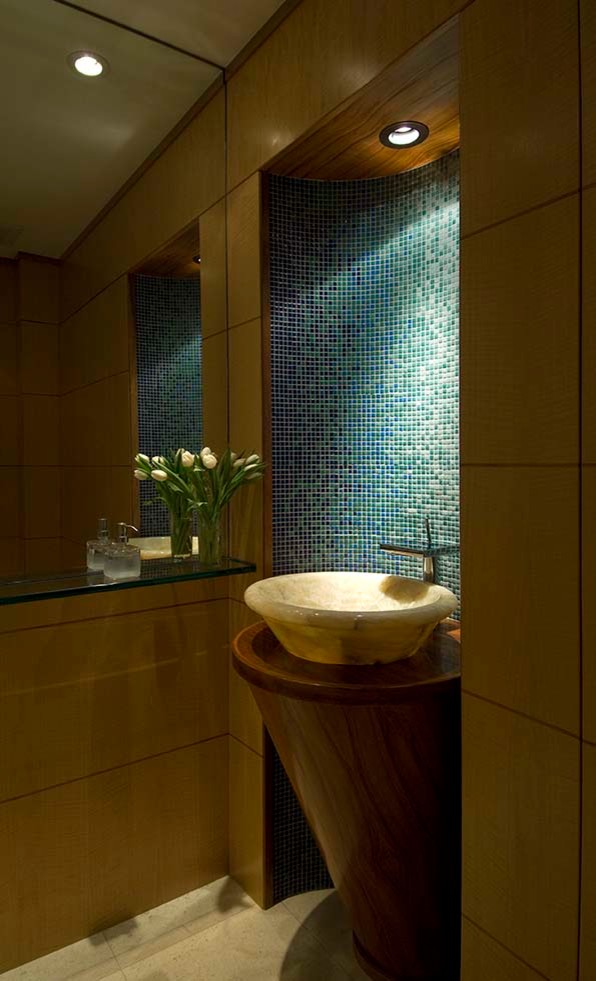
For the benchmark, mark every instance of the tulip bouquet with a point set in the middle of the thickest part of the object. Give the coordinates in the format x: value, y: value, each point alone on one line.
x: 200, y: 483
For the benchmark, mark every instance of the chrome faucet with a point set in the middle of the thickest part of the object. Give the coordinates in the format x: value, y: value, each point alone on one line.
x: 428, y: 554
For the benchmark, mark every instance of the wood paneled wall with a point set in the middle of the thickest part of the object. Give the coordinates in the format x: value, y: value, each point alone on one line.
x: 113, y: 759
x: 29, y: 470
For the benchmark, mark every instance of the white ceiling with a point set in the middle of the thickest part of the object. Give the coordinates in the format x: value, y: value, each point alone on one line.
x: 68, y: 142
x: 213, y: 29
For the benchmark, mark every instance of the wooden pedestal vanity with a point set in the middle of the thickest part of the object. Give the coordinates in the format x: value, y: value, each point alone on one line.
x: 373, y: 754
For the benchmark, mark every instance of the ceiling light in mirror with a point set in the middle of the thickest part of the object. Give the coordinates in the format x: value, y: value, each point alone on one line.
x: 88, y: 63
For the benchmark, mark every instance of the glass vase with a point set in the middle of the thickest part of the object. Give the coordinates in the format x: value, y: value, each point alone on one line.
x: 210, y: 539
x: 181, y: 535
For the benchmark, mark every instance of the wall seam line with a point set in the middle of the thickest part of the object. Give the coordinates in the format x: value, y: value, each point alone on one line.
x: 523, y: 715
x: 522, y: 213
x: 505, y: 947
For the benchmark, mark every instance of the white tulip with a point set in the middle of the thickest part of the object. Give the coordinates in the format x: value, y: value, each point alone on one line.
x: 253, y: 458
x: 187, y: 458
x: 233, y: 456
x: 159, y: 475
x: 251, y: 466
x: 141, y: 458
x: 210, y: 461
x: 239, y: 463
x: 206, y: 451
x: 157, y: 459
x: 141, y: 475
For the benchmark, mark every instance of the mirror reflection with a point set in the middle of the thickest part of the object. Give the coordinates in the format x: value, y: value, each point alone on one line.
x: 100, y: 299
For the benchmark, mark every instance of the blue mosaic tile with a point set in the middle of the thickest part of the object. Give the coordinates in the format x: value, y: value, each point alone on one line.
x: 168, y: 345
x: 365, y: 385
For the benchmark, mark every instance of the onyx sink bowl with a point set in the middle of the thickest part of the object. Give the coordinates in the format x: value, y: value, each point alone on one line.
x: 350, y: 617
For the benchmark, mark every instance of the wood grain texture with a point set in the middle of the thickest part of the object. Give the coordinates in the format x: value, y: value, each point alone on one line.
x: 87, y: 492
x: 8, y: 291
x: 588, y: 326
x: 9, y: 369
x: 175, y: 257
x: 41, y: 502
x: 214, y: 390
x: 94, y: 341
x: 246, y: 821
x: 185, y: 181
x: 80, y: 698
x: 10, y: 430
x: 324, y: 52
x: 96, y: 607
x: 95, y: 424
x: 521, y: 835
x: 519, y: 87
x: 525, y: 660
x: 38, y: 280
x: 588, y: 78
x: 212, y: 228
x: 42, y: 555
x: 520, y: 319
x: 41, y: 430
x: 244, y: 251
x: 423, y: 85
x: 588, y: 603
x: 375, y: 765
x: 246, y: 724
x: 483, y: 957
x: 38, y: 349
x: 588, y: 911
x: 89, y: 854
x: 246, y: 401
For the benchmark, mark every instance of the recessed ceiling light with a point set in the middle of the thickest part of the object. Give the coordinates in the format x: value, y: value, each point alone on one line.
x: 197, y: 259
x: 88, y: 63
x: 403, y: 134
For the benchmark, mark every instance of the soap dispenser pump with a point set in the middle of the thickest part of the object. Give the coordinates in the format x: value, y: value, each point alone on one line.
x: 122, y: 560
x: 96, y: 548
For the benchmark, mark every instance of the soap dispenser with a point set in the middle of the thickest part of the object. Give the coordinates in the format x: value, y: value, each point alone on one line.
x: 122, y: 560
x: 96, y: 548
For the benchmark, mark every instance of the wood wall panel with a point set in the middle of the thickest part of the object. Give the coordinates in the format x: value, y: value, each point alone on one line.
x: 520, y: 318
x: 244, y: 252
x: 521, y: 835
x: 588, y: 78
x: 39, y: 358
x: 589, y: 604
x: 99, y: 606
x: 589, y: 326
x: 8, y: 291
x: 514, y: 654
x: 246, y: 398
x: 588, y: 924
x: 10, y: 431
x: 41, y: 430
x: 94, y: 342
x: 182, y: 183
x: 41, y: 502
x: 95, y: 423
x: 483, y: 957
x: 9, y: 370
x: 10, y: 495
x: 85, y: 697
x: 38, y: 281
x: 92, y: 492
x: 246, y: 820
x: 318, y: 57
x: 214, y: 366
x: 212, y: 229
x: 246, y: 723
x: 519, y: 93
x: 83, y: 856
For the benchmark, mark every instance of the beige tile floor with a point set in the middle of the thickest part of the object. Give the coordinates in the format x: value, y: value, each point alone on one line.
x: 215, y: 933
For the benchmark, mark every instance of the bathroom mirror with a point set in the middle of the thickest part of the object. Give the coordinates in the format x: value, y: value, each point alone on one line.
x: 107, y: 179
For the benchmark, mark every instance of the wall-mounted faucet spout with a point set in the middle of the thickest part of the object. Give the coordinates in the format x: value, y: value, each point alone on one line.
x: 429, y: 553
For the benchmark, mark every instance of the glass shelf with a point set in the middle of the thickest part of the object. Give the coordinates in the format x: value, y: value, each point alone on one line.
x: 77, y: 582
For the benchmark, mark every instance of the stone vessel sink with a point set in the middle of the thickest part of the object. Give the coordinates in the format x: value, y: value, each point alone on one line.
x: 350, y: 617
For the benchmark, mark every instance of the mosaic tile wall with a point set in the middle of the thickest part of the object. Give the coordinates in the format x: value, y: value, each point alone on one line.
x: 365, y: 403
x: 168, y: 341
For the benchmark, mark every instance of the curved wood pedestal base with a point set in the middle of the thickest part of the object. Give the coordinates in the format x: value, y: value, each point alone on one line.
x: 373, y: 754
